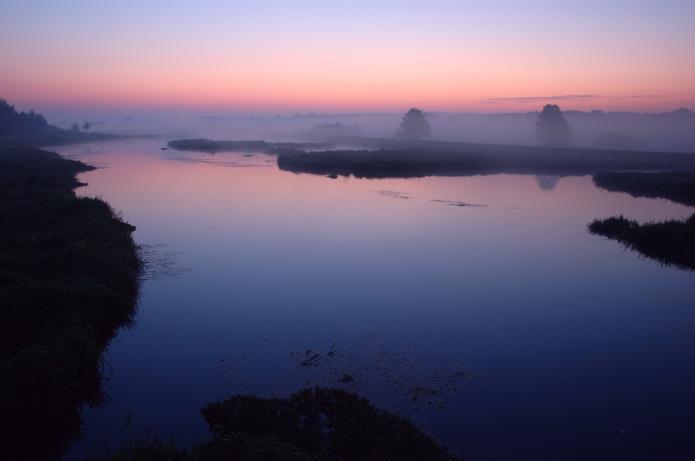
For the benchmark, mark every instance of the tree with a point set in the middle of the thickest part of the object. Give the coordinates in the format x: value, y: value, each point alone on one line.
x: 414, y: 125
x: 551, y: 127
x: 86, y: 125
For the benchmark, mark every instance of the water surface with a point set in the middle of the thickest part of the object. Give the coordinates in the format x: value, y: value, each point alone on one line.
x: 570, y: 345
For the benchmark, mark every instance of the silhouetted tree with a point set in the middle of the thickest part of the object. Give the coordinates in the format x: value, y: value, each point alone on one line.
x: 75, y: 127
x: 552, y: 128
x: 414, y: 125
x: 86, y: 126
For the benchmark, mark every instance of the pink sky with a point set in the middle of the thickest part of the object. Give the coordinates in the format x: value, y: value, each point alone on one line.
x: 477, y: 58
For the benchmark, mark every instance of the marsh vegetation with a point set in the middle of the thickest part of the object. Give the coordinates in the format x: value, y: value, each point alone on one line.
x: 677, y: 186
x: 210, y: 146
x: 69, y: 274
x: 670, y: 242
x: 399, y: 158
x: 313, y: 424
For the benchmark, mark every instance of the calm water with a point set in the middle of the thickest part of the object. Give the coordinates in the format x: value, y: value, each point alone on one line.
x: 570, y: 345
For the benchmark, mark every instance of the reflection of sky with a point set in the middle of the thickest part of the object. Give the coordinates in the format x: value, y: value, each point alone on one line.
x: 550, y: 319
x: 345, y: 55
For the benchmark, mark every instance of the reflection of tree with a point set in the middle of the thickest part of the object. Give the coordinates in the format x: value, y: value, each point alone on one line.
x: 547, y: 181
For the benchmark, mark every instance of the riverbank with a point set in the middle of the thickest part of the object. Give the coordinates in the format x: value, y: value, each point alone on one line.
x: 669, y: 242
x: 211, y: 147
x: 399, y: 158
x: 69, y: 276
x: 677, y: 186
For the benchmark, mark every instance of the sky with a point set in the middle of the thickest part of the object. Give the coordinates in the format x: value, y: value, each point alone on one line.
x: 375, y: 55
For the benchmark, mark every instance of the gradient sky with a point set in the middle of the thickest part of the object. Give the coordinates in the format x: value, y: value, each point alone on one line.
x: 349, y: 55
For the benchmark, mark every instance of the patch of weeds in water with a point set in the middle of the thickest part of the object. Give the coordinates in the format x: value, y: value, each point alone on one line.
x: 458, y: 203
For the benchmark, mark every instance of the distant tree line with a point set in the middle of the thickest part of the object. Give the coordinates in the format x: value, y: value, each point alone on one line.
x: 13, y: 122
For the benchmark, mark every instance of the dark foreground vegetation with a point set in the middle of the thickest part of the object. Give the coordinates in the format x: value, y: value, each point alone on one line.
x: 312, y: 425
x: 670, y: 242
x: 21, y: 129
x: 677, y: 186
x: 398, y: 158
x: 69, y: 275
x: 210, y: 146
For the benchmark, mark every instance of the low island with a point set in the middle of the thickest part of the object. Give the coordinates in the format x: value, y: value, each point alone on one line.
x: 677, y: 186
x: 210, y: 146
x: 383, y: 158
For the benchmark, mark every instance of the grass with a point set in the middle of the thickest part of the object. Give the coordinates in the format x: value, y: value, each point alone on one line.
x: 69, y: 273
x: 398, y: 158
x: 669, y: 242
x: 677, y: 186
x: 315, y: 424
x: 210, y: 146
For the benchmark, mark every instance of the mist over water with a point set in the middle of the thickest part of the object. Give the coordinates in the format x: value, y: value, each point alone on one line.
x: 673, y: 131
x: 501, y: 321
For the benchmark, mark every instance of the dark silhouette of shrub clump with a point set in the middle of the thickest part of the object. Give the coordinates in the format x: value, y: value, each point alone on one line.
x: 414, y: 125
x: 314, y: 424
x: 69, y: 274
x: 677, y: 186
x: 669, y: 242
x: 551, y: 127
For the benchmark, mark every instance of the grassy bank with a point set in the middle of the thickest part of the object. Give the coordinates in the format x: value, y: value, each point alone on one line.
x: 210, y: 146
x: 398, y: 158
x: 68, y: 279
x: 670, y: 242
x: 312, y: 425
x: 677, y: 186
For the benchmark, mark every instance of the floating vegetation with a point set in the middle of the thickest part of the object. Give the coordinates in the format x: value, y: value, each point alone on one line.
x: 389, y: 375
x: 223, y: 163
x: 394, y: 194
x: 458, y: 203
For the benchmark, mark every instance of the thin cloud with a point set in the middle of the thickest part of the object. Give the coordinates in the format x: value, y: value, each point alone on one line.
x: 541, y: 98
x: 641, y: 96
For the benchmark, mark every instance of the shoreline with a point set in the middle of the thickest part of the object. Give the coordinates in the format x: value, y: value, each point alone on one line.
x: 70, y: 274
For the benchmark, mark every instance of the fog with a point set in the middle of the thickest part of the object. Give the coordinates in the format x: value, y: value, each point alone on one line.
x: 672, y: 131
